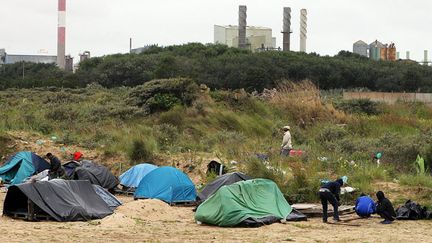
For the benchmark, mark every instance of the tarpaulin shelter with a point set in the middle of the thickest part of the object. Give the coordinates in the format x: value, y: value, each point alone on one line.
x: 167, y: 184
x: 220, y: 181
x: 109, y: 198
x: 60, y: 199
x: 251, y: 203
x: 70, y: 167
x: 96, y: 174
x: 133, y: 176
x: 22, y: 165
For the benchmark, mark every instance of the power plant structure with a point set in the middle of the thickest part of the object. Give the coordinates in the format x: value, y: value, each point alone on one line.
x: 242, y: 27
x: 61, y: 35
x: 286, y: 31
x: 376, y: 50
x: 257, y: 38
x: 303, y: 30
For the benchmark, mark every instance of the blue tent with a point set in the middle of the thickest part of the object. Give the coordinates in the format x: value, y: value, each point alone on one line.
x: 167, y: 184
x: 21, y: 166
x: 133, y: 176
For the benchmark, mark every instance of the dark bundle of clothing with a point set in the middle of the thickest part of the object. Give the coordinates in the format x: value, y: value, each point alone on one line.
x: 413, y: 211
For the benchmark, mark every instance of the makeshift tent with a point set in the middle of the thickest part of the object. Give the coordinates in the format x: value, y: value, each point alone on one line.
x: 252, y: 203
x: 22, y: 165
x: 220, y: 181
x: 167, y: 184
x: 109, y: 198
x: 96, y: 174
x: 61, y: 199
x: 70, y: 167
x: 133, y: 176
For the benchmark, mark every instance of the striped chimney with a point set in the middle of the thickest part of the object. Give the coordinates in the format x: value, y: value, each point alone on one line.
x: 303, y: 30
x: 61, y: 34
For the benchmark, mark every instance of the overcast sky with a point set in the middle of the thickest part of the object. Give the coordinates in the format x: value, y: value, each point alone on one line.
x: 104, y: 26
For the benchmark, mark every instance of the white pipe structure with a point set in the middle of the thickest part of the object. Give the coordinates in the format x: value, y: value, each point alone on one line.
x: 61, y: 34
x: 303, y: 30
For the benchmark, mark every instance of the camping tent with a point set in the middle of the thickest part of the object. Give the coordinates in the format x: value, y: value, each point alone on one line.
x: 96, y: 174
x: 167, y: 184
x: 220, y: 181
x: 252, y: 202
x: 61, y: 199
x: 22, y: 165
x: 133, y: 176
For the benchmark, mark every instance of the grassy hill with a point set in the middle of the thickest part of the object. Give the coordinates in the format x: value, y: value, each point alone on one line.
x: 175, y: 119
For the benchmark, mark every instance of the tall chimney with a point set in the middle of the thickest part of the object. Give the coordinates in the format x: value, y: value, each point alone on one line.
x: 426, y: 57
x: 408, y: 55
x: 61, y: 34
x: 286, y: 31
x: 303, y: 30
x: 242, y: 27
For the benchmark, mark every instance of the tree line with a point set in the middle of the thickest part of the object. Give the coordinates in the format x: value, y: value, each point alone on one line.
x: 221, y: 67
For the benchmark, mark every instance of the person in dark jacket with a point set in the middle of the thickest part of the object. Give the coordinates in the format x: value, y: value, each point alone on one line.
x: 365, y: 206
x: 385, y: 208
x: 56, y: 169
x: 329, y: 193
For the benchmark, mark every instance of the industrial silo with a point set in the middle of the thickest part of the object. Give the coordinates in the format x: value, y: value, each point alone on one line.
x: 375, y: 50
x: 360, y: 47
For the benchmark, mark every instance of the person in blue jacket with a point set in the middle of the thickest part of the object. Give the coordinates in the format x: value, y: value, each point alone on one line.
x: 365, y: 206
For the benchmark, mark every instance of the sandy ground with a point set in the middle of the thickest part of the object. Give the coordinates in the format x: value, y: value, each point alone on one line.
x: 153, y: 220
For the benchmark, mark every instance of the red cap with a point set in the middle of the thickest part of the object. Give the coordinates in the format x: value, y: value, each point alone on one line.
x: 77, y: 156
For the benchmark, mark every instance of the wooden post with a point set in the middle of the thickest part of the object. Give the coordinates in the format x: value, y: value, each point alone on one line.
x: 30, y: 210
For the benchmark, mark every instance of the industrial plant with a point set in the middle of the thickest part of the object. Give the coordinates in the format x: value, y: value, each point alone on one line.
x: 257, y: 38
x: 63, y: 61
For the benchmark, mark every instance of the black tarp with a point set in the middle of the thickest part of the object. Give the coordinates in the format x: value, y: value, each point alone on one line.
x: 220, y: 181
x: 252, y: 222
x: 61, y: 199
x: 96, y: 174
x: 412, y: 211
x: 296, y: 215
x: 109, y: 198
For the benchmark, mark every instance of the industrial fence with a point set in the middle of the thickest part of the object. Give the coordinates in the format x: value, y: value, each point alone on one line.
x: 390, y: 98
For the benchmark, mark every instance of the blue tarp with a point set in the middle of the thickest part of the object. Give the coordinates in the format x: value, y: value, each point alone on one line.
x: 133, y: 176
x: 21, y: 166
x: 167, y: 184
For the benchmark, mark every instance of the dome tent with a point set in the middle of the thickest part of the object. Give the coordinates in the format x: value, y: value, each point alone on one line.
x: 167, y: 184
x: 220, y: 181
x: 133, y: 176
x: 22, y: 165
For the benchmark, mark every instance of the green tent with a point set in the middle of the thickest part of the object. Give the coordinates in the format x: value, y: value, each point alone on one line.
x: 252, y: 199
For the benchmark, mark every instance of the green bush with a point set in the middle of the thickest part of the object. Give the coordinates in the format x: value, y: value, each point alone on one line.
x: 416, y: 180
x: 163, y: 94
x: 140, y: 151
x: 358, y: 106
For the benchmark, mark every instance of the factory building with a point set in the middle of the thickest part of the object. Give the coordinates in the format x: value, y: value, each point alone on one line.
x: 257, y: 38
x: 6, y: 58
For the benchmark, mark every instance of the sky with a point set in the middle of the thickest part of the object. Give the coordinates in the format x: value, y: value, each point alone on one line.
x: 105, y: 26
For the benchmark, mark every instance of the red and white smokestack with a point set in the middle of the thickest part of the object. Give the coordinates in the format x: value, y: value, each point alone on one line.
x: 61, y: 34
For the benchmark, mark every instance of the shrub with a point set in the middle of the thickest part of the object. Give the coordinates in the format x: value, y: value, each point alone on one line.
x: 140, y: 151
x: 163, y: 94
x: 358, y: 106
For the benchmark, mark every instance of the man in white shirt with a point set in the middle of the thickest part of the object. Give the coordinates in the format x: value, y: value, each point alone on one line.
x: 286, y: 142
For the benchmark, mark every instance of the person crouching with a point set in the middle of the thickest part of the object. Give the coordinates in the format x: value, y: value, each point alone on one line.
x: 365, y: 206
x: 385, y: 208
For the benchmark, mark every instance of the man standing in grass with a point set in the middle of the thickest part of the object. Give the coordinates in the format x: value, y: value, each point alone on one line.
x: 385, y: 208
x: 286, y: 142
x: 329, y: 193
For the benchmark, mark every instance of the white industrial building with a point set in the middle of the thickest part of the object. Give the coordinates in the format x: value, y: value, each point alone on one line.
x: 257, y: 38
